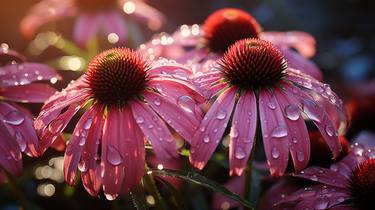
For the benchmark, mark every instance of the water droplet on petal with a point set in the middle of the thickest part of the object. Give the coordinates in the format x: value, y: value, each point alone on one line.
x: 113, y: 155
x: 314, y: 178
x: 202, y: 129
x: 206, y: 139
x: 221, y: 114
x: 56, y: 126
x: 240, y: 154
x: 271, y: 105
x: 292, y: 112
x: 82, y: 141
x: 157, y: 102
x: 294, y: 140
x: 311, y: 109
x: 279, y: 132
x: 14, y: 117
x: 234, y: 132
x: 334, y: 168
x: 140, y: 120
x: 82, y: 166
x: 275, y: 153
x: 21, y: 141
x: 341, y: 199
x: 330, y: 130
x: 87, y: 124
x: 186, y: 102
x: 321, y: 203
x: 150, y: 126
x: 16, y: 155
x: 300, y: 156
x: 110, y: 197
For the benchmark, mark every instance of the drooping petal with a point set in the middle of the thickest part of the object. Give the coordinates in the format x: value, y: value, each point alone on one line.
x: 10, y: 154
x: 154, y: 130
x: 85, y: 28
x: 133, y: 148
x: 298, y: 135
x: 25, y: 73
x: 211, y: 129
x: 275, y: 133
x: 113, y: 22
x: 112, y: 160
x: 20, y: 126
x: 181, y: 119
x: 80, y: 135
x: 324, y: 176
x: 43, y: 13
x: 90, y: 168
x: 242, y: 134
x: 33, y: 93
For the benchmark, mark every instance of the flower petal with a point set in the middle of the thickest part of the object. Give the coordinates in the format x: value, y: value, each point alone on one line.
x: 299, y: 140
x: 25, y: 73
x: 155, y: 130
x: 147, y: 14
x: 33, y: 93
x: 324, y: 176
x: 85, y: 28
x: 275, y: 133
x: 10, y: 154
x: 242, y: 134
x: 212, y: 128
x: 113, y: 22
x: 179, y: 118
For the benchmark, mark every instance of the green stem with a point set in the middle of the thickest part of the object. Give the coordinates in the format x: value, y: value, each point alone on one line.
x: 150, y: 185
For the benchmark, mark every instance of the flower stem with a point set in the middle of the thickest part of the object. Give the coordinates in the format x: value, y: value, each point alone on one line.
x: 151, y: 187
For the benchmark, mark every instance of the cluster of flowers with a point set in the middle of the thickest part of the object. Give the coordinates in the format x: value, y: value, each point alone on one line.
x: 227, y: 76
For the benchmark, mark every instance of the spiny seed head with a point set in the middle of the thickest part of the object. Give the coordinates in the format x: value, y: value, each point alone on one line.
x: 95, y: 5
x: 116, y: 76
x: 362, y: 185
x: 226, y: 26
x: 253, y: 63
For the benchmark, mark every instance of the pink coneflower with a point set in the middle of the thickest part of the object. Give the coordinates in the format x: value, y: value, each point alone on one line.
x: 17, y: 133
x: 198, y: 44
x: 92, y: 16
x: 347, y: 184
x: 253, y: 79
x: 126, y: 101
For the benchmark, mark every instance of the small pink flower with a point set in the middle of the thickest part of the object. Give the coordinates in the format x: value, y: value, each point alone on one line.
x: 17, y: 134
x: 126, y: 101
x: 92, y: 16
x: 198, y: 44
x: 253, y: 80
x: 347, y: 184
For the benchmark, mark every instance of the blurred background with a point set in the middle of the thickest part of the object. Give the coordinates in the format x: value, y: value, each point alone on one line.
x: 345, y: 34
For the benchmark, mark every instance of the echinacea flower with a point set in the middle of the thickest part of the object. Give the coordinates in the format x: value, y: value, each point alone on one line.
x: 253, y: 81
x: 348, y: 184
x: 127, y: 101
x: 17, y: 85
x: 198, y: 44
x: 92, y: 16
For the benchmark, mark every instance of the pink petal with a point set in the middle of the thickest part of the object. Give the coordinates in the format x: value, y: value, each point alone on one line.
x: 155, y: 130
x: 179, y: 118
x: 236, y: 185
x: 318, y: 115
x: 91, y: 170
x: 297, y: 61
x: 20, y: 126
x: 184, y: 36
x: 82, y: 133
x: 10, y: 155
x: 33, y: 93
x: 193, y: 56
x: 299, y: 140
x: 133, y: 148
x: 45, y: 12
x: 25, y: 73
x: 85, y: 28
x: 147, y: 14
x: 323, y: 200
x: 242, y: 134
x: 56, y: 126
x: 170, y: 68
x: 212, y: 128
x: 275, y: 133
x: 112, y: 156
x: 324, y: 176
x: 113, y: 22
x: 302, y: 41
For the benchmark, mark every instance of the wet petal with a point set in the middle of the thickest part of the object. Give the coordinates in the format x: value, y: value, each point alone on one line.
x: 212, y: 128
x: 275, y: 133
x: 155, y: 130
x: 33, y: 93
x: 178, y: 117
x: 10, y: 154
x: 242, y: 133
x: 323, y: 175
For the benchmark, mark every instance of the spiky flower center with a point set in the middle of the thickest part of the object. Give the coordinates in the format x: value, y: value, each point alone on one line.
x: 363, y: 185
x: 253, y: 63
x: 226, y: 26
x: 95, y: 5
x: 116, y: 76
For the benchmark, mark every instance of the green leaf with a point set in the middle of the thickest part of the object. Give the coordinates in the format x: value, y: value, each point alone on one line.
x: 202, y: 181
x: 138, y: 198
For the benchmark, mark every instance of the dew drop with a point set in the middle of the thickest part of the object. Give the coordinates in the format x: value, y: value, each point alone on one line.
x: 240, y: 153
x: 294, y: 140
x: 14, y: 117
x: 110, y: 197
x: 150, y: 126
x: 234, y: 132
x: 310, y: 108
x: 341, y: 199
x: 87, y: 124
x: 186, y: 102
x: 113, y: 155
x: 140, y: 120
x: 21, y: 141
x: 279, y: 132
x: 275, y: 153
x: 292, y: 112
x: 206, y: 139
x: 221, y: 114
x: 314, y: 178
x: 271, y: 105
x: 330, y: 130
x: 300, y: 156
x: 56, y: 126
x: 321, y: 203
x: 202, y: 128
x: 82, y: 166
x: 82, y: 141
x: 157, y: 102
